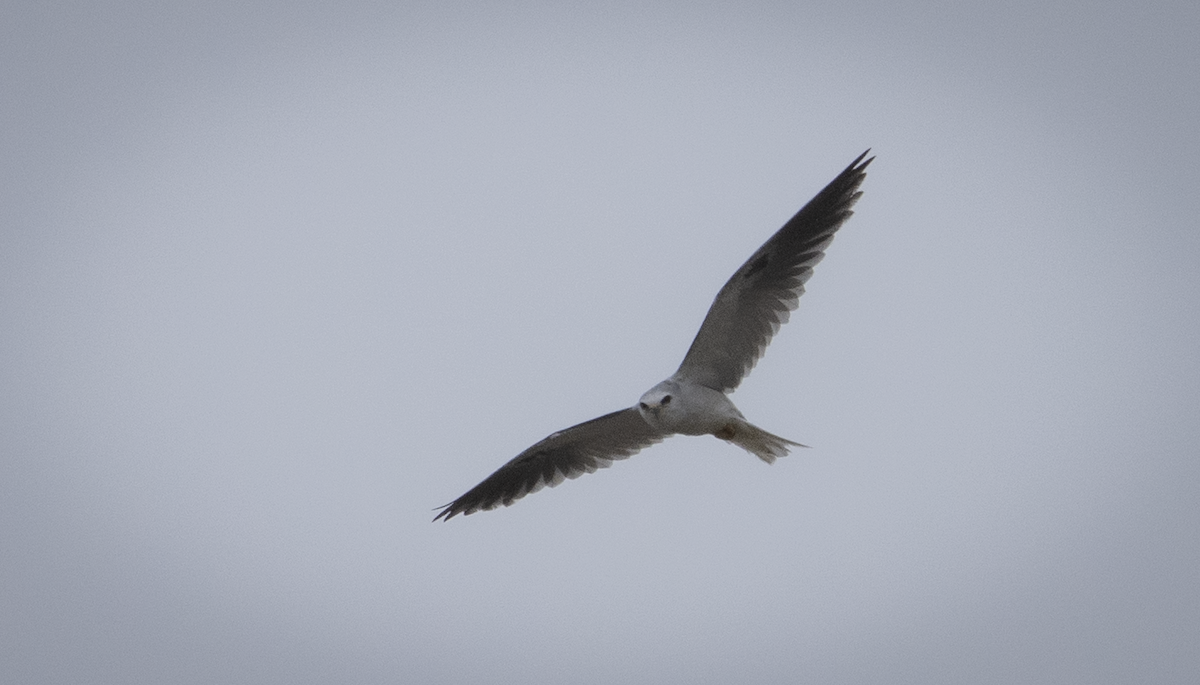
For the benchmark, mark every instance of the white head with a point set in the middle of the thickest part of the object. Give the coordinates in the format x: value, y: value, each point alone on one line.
x: 655, y: 404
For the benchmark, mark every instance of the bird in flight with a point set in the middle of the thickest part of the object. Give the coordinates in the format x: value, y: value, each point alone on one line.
x: 746, y: 313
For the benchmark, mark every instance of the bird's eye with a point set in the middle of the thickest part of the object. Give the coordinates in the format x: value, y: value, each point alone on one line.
x: 643, y: 405
x: 666, y: 399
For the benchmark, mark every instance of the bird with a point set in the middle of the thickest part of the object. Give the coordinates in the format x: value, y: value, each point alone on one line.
x: 746, y: 313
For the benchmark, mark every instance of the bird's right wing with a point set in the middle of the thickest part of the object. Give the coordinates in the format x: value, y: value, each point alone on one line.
x: 568, y: 453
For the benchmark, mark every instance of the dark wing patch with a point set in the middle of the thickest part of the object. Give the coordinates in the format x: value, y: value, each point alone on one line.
x: 758, y: 265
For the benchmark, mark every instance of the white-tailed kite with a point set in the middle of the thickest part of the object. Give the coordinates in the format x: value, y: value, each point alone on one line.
x: 746, y: 313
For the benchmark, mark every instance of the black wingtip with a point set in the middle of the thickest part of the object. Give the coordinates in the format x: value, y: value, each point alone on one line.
x: 851, y: 177
x: 447, y: 512
x: 856, y: 163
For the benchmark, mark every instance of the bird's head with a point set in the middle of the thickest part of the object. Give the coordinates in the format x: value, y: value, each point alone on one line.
x: 657, y: 401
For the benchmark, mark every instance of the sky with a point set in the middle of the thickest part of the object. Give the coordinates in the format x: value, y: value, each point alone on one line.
x: 278, y: 279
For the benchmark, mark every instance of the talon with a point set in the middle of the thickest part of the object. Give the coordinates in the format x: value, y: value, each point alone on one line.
x: 726, y: 433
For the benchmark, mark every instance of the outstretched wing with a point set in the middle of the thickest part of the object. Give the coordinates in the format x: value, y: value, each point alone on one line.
x: 760, y: 296
x: 569, y: 453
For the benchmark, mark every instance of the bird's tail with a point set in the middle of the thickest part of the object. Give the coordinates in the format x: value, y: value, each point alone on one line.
x: 757, y: 441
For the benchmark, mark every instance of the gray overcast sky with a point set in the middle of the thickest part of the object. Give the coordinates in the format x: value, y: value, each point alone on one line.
x: 277, y: 279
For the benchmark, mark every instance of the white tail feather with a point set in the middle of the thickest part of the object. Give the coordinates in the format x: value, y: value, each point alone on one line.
x: 757, y: 441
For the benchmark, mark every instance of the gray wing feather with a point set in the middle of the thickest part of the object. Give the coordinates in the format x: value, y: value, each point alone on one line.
x: 569, y: 453
x: 760, y: 296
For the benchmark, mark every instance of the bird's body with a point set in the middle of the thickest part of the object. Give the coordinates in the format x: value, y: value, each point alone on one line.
x: 746, y: 313
x: 687, y: 408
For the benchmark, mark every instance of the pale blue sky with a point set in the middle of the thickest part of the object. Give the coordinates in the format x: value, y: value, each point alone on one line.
x: 276, y: 280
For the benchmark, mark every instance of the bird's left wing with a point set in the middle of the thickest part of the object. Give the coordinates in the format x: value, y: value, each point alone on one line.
x: 568, y: 453
x: 757, y: 300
